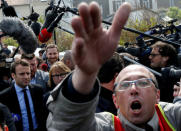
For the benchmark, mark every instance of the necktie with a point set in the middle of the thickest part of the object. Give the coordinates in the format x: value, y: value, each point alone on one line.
x: 28, y: 110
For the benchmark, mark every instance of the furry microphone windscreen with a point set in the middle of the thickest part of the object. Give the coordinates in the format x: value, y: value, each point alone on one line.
x: 24, y: 35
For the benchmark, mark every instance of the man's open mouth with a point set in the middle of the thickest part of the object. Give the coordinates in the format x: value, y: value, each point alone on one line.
x: 136, y: 105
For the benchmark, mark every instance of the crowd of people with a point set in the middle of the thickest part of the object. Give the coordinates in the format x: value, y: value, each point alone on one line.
x: 92, y: 87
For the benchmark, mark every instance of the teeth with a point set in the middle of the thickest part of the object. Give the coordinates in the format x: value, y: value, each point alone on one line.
x: 136, y: 110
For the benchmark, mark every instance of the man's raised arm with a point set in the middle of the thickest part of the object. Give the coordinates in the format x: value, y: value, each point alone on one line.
x: 93, y: 45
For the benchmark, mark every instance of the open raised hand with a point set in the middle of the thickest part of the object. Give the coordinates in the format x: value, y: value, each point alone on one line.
x: 93, y: 45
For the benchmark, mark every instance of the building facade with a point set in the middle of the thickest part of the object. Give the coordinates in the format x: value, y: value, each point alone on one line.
x: 169, y: 3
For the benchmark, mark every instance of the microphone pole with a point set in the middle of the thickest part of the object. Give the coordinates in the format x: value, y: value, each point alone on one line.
x: 66, y: 30
x: 15, y: 52
x: 124, y: 57
x: 141, y: 33
x: 54, y: 36
x: 135, y: 62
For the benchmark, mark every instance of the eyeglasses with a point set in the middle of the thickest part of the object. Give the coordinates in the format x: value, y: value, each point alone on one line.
x: 62, y: 75
x: 141, y: 83
x: 153, y: 55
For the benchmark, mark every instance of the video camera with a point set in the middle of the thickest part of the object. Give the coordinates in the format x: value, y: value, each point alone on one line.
x: 172, y: 73
x: 5, y: 64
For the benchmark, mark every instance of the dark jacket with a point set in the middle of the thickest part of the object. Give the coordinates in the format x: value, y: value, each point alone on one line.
x: 106, y: 102
x: 166, y: 83
x: 8, y: 117
x: 10, y: 99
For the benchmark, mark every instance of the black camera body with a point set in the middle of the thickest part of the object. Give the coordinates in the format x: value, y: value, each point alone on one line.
x: 5, y: 64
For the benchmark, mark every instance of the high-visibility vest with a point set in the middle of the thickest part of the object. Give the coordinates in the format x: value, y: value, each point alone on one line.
x: 164, y: 124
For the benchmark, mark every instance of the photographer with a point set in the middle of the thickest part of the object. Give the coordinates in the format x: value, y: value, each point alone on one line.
x: 5, y: 50
x: 163, y: 55
x: 4, y: 71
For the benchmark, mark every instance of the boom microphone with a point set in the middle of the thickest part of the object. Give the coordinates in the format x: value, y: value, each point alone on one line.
x: 46, y: 33
x: 24, y: 35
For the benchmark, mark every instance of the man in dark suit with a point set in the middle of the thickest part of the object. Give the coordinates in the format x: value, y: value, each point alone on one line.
x: 25, y: 101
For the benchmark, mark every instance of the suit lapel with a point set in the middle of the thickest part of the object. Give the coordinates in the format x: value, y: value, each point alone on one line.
x: 15, y: 101
x: 15, y: 106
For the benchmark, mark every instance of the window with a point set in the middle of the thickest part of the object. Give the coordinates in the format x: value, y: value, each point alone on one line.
x: 145, y: 3
x: 116, y: 4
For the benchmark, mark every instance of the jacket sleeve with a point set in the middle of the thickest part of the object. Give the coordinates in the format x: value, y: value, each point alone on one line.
x: 173, y: 112
x: 65, y: 114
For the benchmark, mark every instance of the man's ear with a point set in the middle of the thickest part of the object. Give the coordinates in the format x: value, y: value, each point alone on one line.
x: 115, y: 101
x: 13, y: 75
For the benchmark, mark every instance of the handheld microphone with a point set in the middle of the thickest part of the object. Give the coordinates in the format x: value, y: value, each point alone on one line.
x: 14, y: 27
x: 46, y: 33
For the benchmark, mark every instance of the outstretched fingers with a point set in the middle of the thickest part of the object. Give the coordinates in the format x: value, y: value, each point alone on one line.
x: 95, y: 14
x: 78, y: 27
x: 88, y: 21
x: 86, y: 17
x: 77, y: 50
x: 119, y: 21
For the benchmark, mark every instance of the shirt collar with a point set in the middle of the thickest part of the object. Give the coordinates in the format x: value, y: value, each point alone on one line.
x: 19, y: 89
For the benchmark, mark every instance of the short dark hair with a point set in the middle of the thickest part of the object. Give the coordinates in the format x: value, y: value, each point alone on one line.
x: 41, y: 51
x: 27, y: 56
x: 51, y: 46
x: 110, y: 68
x: 16, y: 63
x: 166, y: 50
